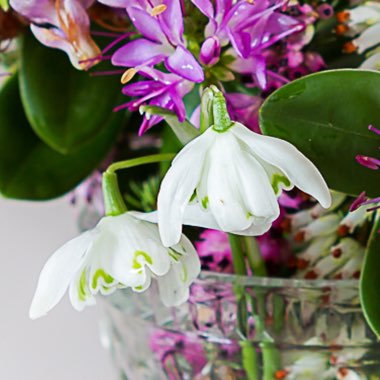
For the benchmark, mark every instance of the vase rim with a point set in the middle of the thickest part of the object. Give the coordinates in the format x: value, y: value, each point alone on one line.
x: 276, y: 282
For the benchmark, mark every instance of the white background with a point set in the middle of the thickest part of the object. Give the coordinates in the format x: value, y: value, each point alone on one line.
x: 63, y: 345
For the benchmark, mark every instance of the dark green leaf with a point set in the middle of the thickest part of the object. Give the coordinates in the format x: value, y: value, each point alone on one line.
x: 66, y: 107
x: 326, y: 116
x: 29, y: 169
x: 370, y: 279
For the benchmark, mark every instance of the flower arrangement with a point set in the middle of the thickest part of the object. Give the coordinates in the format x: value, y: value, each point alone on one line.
x: 256, y: 123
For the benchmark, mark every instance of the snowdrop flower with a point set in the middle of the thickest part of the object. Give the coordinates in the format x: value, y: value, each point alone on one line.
x: 229, y: 179
x: 121, y: 251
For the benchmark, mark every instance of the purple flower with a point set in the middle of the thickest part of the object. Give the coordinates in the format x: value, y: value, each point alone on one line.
x: 370, y: 163
x: 162, y: 90
x: 245, y: 109
x: 250, y: 28
x: 61, y: 24
x: 161, y: 26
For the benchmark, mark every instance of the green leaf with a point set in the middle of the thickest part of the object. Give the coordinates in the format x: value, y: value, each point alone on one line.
x: 29, y: 169
x: 370, y: 279
x: 326, y: 116
x: 66, y: 107
x: 185, y: 131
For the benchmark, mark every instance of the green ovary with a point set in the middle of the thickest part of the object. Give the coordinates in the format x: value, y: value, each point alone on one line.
x: 277, y: 180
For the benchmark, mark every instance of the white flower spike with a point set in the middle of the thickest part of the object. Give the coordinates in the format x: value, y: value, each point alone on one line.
x: 229, y: 179
x: 121, y: 251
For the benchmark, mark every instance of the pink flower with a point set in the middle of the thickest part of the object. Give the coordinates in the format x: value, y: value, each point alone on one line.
x: 215, y: 252
x: 62, y: 24
x: 167, y: 346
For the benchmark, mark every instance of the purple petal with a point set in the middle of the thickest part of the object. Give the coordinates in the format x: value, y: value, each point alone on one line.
x: 116, y: 3
x: 222, y: 8
x: 141, y: 88
x: 205, y: 6
x: 241, y: 42
x: 210, y: 51
x: 178, y: 105
x: 183, y: 63
x: 139, y: 52
x: 39, y: 11
x: 260, y: 71
x: 147, y: 25
x: 157, y: 75
x: 196, y: 116
x: 149, y: 123
x: 171, y: 21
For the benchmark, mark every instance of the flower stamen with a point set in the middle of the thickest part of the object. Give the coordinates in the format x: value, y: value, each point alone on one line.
x: 128, y: 75
x: 158, y: 9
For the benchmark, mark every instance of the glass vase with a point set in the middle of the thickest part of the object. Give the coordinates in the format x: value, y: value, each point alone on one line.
x: 236, y: 327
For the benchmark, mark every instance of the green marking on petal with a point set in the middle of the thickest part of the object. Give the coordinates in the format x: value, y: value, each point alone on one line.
x: 100, y: 273
x: 82, y: 288
x: 174, y: 254
x: 205, y: 202
x: 277, y: 180
x: 248, y: 215
x: 138, y: 287
x: 184, y: 274
x: 193, y: 196
x: 136, y: 264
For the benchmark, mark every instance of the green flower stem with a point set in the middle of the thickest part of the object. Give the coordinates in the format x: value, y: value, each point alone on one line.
x: 237, y: 254
x: 250, y: 360
x: 113, y: 200
x: 271, y: 359
x: 254, y: 256
x: 222, y: 121
x: 140, y: 161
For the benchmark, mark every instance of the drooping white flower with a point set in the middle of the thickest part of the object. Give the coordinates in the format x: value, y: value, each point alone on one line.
x: 230, y: 181
x: 121, y: 251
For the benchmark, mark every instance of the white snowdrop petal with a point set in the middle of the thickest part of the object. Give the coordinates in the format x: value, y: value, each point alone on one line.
x: 178, y: 186
x: 223, y: 184
x: 174, y: 287
x: 256, y: 190
x: 58, y: 272
x: 298, y: 168
x: 79, y: 292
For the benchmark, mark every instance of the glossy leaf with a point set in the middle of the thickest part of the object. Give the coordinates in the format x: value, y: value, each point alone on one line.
x: 29, y: 169
x: 370, y: 279
x: 185, y: 131
x: 66, y: 107
x: 326, y: 116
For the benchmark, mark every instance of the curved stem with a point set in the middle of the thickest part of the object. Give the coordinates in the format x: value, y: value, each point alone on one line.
x: 140, y: 161
x: 113, y: 200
